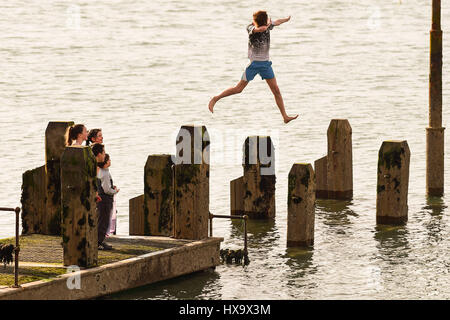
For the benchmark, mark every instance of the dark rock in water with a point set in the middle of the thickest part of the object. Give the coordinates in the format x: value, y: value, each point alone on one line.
x: 6, y: 253
x: 229, y: 256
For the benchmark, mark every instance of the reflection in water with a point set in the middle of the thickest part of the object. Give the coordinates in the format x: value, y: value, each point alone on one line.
x: 262, y: 235
x: 300, y: 263
x: 435, y: 206
x: 199, y: 285
x: 392, y: 242
x: 335, y: 213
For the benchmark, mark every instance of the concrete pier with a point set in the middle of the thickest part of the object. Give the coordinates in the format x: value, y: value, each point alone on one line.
x: 79, y: 218
x: 392, y: 185
x: 134, y: 261
x: 301, y: 205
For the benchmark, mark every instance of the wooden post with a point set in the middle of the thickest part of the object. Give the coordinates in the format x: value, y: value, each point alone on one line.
x: 392, y: 186
x: 237, y: 196
x: 301, y: 201
x: 158, y: 196
x: 435, y: 131
x: 340, y: 165
x: 259, y: 178
x: 136, y: 216
x: 192, y: 183
x: 55, y: 143
x: 79, y: 215
x: 33, y: 200
x: 320, y: 168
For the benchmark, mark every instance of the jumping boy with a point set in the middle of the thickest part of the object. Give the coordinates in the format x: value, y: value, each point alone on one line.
x: 258, y: 53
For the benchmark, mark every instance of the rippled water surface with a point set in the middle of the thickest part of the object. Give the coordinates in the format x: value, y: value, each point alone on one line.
x: 140, y: 69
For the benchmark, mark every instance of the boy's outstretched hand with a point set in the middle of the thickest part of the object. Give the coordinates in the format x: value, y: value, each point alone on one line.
x: 280, y: 21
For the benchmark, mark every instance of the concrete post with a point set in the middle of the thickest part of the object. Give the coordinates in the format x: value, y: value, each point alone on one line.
x: 301, y: 210
x: 33, y: 201
x: 55, y: 143
x: 259, y: 177
x: 137, y: 222
x: 79, y: 215
x: 191, y: 183
x: 158, y: 195
x: 435, y: 131
x: 392, y: 185
x: 340, y: 165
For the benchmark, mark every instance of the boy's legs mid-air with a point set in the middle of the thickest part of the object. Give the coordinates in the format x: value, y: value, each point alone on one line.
x: 230, y: 91
x: 279, y: 99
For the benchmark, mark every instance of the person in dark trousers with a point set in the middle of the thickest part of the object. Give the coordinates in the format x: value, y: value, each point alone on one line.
x: 104, y: 206
x: 109, y: 190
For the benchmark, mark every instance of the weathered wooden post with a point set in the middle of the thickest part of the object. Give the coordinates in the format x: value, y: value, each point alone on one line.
x: 334, y: 172
x: 301, y: 200
x: 339, y: 160
x: 259, y: 177
x: 435, y: 131
x: 137, y: 220
x: 79, y: 215
x: 34, y: 193
x: 158, y: 195
x: 392, y: 185
x: 55, y: 143
x: 237, y: 196
x: 320, y: 168
x: 191, y: 183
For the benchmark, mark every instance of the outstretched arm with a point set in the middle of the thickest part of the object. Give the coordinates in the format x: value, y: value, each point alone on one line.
x: 280, y: 21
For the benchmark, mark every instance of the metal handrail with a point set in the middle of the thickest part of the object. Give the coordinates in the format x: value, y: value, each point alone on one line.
x: 244, y: 217
x: 17, y: 248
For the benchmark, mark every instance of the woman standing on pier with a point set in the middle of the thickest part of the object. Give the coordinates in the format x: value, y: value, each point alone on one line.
x: 77, y: 133
x: 94, y: 136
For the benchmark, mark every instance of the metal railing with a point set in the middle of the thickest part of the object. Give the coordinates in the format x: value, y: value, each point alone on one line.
x: 244, y: 217
x: 16, y: 248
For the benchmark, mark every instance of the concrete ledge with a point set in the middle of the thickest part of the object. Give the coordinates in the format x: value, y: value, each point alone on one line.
x: 183, y: 257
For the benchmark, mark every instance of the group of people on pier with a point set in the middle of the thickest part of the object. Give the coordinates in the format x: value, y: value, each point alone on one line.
x: 105, y: 197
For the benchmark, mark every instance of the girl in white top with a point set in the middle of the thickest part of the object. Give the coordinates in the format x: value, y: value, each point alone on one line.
x: 110, y: 190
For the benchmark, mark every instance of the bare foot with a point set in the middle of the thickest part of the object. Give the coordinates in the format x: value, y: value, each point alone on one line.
x: 288, y: 119
x: 212, y: 102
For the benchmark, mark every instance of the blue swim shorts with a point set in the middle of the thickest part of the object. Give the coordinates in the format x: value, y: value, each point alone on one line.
x: 264, y: 68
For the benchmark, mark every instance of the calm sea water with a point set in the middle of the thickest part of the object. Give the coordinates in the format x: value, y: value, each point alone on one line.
x: 141, y: 69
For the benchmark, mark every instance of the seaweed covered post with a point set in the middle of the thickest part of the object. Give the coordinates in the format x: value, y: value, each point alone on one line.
x: 435, y: 131
x: 158, y: 195
x: 259, y: 177
x: 79, y: 215
x: 137, y: 221
x: 301, y: 202
x: 33, y: 200
x: 191, y: 183
x: 339, y: 160
x: 392, y: 185
x: 55, y: 143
